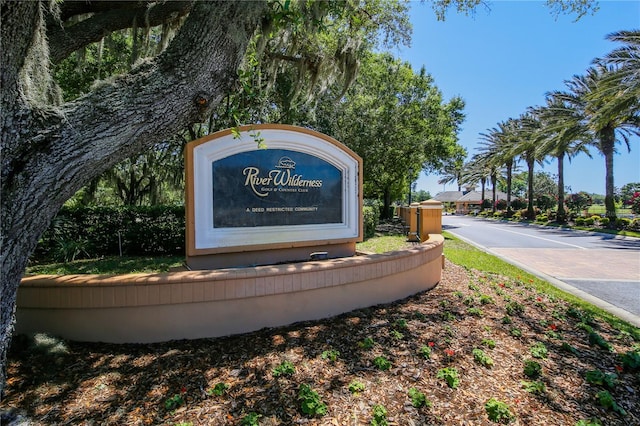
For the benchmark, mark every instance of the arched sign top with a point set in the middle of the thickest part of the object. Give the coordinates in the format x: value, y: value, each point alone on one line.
x: 271, y: 186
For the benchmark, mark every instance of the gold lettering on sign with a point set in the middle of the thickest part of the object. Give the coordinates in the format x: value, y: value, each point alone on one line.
x: 281, y: 178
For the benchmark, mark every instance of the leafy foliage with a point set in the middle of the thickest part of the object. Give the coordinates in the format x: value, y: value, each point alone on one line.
x: 450, y: 375
x: 104, y: 231
x: 499, y: 411
x: 310, y: 402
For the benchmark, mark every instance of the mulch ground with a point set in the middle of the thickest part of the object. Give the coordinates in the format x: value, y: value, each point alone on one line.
x: 587, y: 369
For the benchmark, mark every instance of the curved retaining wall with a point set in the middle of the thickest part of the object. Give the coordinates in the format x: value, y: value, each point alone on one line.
x: 144, y: 308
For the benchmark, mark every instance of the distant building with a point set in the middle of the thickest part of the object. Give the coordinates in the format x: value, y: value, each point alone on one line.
x: 467, y: 201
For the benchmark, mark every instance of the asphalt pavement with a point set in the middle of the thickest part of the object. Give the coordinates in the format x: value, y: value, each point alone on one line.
x: 600, y: 268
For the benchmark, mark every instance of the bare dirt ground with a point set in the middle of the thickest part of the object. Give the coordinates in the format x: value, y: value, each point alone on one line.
x: 587, y: 368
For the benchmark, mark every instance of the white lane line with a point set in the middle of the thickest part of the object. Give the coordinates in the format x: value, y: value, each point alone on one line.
x: 540, y: 238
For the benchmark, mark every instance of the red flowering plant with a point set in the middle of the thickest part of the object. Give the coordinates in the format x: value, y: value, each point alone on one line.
x: 634, y: 202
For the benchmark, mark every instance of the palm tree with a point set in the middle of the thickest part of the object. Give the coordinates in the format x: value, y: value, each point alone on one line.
x: 526, y: 131
x: 500, y: 141
x: 604, y: 115
x: 564, y: 135
x: 624, y: 83
x: 476, y: 171
x: 452, y: 172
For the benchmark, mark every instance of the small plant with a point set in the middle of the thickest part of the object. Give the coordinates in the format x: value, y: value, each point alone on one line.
x: 481, y: 358
x: 514, y: 308
x: 219, y: 389
x: 425, y: 351
x: 447, y: 316
x: 356, y: 387
x: 600, y: 378
x: 418, y: 399
x: 331, y: 355
x: 401, y: 324
x: 382, y: 363
x: 379, y: 416
x: 476, y: 312
x: 597, y: 340
x: 458, y: 294
x: 367, y: 343
x: 469, y: 301
x: 174, y: 402
x: 310, y: 402
x: 250, y: 419
x: 489, y: 343
x: 631, y: 360
x: 532, y: 369
x: 498, y: 411
x: 450, y: 375
x: 568, y: 348
x: 506, y: 319
x: 606, y: 400
x: 515, y: 332
x: 397, y: 335
x: 486, y: 299
x: 474, y: 287
x: 286, y: 368
x: 539, y: 350
x: 536, y: 387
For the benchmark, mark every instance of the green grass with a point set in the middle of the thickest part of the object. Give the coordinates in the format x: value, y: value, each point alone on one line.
x: 383, y: 244
x: 463, y: 254
x: 600, y: 209
x: 109, y: 265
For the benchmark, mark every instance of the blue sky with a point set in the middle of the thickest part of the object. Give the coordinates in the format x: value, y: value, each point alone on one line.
x: 503, y: 60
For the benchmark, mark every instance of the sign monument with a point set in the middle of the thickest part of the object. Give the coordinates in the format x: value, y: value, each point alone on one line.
x: 268, y: 194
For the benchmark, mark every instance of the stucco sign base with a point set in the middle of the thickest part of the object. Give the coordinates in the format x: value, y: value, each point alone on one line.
x: 145, y: 308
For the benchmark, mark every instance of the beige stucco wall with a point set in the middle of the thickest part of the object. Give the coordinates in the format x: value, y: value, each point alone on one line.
x: 146, y: 308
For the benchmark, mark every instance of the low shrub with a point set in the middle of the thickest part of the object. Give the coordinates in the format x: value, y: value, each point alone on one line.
x: 81, y: 232
x: 542, y: 218
x: 622, y: 223
x: 371, y: 218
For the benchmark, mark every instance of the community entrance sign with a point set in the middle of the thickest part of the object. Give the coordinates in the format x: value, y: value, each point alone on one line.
x: 270, y: 193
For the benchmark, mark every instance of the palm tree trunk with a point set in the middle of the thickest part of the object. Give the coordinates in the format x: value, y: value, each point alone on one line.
x: 607, y: 144
x: 561, y: 215
x: 530, y: 164
x: 494, y: 181
x: 509, y: 179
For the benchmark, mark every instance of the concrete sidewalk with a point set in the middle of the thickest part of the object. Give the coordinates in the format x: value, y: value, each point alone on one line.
x: 609, y: 280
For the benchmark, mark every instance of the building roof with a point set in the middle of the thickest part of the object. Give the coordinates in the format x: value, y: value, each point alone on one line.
x: 476, y: 196
x: 448, y: 196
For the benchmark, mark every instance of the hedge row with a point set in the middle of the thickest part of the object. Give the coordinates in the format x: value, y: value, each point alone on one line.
x: 90, y: 232
x: 104, y: 231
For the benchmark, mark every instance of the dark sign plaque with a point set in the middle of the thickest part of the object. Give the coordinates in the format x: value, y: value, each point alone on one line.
x: 275, y: 187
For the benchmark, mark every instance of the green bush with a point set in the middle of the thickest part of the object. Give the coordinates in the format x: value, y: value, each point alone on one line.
x: 589, y: 221
x: 371, y: 218
x: 100, y: 231
x: 604, y: 221
x: 542, y: 218
x: 622, y: 223
x: 579, y: 221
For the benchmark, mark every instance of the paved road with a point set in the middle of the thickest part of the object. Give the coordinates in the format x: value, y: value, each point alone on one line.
x: 601, y: 268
